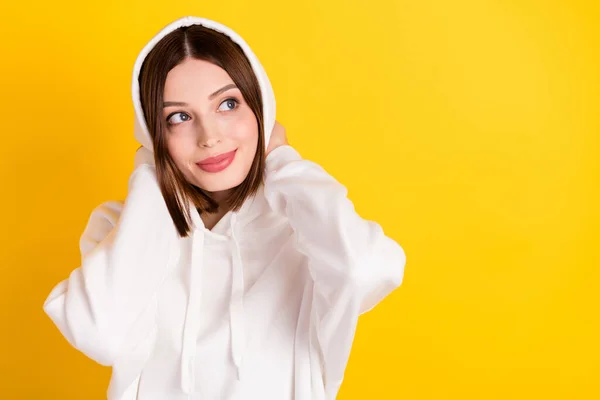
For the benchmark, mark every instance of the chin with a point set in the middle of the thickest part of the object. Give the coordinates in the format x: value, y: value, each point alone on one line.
x: 219, y: 182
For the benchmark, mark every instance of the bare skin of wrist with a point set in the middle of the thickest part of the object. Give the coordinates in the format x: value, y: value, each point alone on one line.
x: 278, y: 138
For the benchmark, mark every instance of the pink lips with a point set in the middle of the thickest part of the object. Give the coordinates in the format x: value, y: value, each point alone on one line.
x: 217, y: 163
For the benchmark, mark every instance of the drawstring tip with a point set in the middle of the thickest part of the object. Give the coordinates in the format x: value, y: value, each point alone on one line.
x: 238, y: 368
x: 185, y: 388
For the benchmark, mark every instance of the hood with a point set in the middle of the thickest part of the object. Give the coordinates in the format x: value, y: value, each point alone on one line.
x: 145, y: 153
x: 251, y: 207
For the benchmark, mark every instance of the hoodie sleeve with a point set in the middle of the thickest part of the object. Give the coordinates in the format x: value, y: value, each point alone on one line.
x: 104, y: 305
x: 352, y: 263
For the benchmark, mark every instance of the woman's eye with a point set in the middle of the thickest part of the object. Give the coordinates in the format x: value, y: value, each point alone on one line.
x: 177, y: 118
x: 230, y: 104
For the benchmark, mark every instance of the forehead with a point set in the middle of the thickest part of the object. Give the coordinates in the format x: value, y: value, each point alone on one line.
x: 194, y: 78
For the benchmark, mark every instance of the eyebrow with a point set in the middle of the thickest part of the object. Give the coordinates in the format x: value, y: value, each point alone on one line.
x: 218, y: 92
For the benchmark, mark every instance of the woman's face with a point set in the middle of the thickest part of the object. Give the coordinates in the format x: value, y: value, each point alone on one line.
x: 212, y: 134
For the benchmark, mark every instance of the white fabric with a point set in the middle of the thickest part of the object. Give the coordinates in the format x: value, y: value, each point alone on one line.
x: 264, y: 306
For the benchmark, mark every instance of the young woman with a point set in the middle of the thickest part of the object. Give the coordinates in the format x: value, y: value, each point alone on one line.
x: 234, y: 269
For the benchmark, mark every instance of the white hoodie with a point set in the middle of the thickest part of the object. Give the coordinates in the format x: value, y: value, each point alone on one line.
x: 263, y: 306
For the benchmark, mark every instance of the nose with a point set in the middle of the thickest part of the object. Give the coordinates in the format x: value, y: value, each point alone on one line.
x: 209, y: 143
x: 208, y: 136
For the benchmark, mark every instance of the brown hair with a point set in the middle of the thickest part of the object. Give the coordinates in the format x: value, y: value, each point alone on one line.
x: 200, y: 43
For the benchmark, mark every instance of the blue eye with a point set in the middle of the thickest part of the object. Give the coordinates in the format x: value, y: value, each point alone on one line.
x: 183, y: 117
x: 230, y: 103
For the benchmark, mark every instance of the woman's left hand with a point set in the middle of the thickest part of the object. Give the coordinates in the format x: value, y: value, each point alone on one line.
x: 278, y: 138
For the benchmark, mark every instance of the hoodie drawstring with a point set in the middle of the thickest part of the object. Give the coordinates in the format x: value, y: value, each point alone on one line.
x: 192, y: 315
x: 236, y: 303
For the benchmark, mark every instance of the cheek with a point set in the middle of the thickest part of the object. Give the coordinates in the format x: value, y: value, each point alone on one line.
x: 245, y: 129
x: 178, y: 150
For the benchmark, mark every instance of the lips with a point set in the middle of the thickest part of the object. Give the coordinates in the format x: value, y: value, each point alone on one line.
x: 217, y: 163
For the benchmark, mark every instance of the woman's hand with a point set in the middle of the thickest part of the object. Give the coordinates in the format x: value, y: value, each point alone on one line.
x: 278, y: 138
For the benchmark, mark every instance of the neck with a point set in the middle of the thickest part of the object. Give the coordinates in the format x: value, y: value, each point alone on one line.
x: 220, y: 196
x: 210, y: 220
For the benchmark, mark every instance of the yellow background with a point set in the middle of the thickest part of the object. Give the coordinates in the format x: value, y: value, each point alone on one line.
x: 469, y: 129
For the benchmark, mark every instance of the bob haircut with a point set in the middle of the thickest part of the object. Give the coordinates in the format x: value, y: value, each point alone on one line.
x: 205, y: 44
